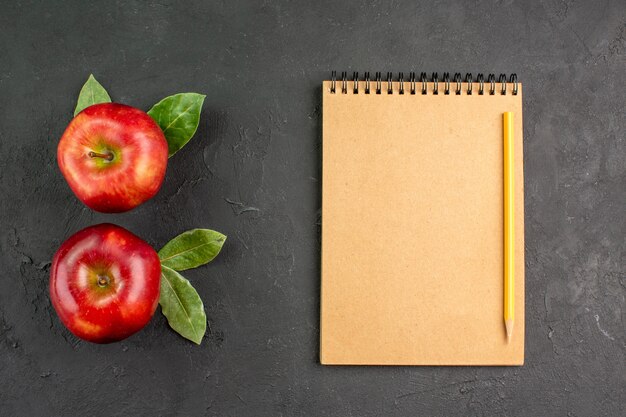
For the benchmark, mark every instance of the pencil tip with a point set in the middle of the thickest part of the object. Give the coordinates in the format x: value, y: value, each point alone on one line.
x: 509, y: 330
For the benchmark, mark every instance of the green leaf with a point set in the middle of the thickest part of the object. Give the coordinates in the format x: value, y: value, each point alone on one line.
x: 91, y: 93
x: 178, y: 116
x: 191, y: 249
x: 182, y: 306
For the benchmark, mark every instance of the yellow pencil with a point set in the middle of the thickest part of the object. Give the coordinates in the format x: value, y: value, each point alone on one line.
x: 509, y: 225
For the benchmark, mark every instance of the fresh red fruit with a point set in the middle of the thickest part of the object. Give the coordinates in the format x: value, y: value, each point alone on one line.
x: 105, y: 283
x: 113, y: 157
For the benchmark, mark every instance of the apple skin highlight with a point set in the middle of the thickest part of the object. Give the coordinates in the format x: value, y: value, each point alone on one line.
x: 105, y: 283
x: 113, y: 156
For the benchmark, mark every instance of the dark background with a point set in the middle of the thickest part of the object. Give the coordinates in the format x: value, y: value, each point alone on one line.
x: 259, y: 143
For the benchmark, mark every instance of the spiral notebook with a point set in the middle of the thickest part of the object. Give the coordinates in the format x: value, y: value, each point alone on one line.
x: 412, y: 221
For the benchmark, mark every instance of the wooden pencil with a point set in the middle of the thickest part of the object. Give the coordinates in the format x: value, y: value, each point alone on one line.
x: 509, y: 225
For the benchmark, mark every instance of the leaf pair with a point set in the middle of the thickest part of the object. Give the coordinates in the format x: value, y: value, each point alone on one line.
x: 178, y: 116
x: 180, y: 303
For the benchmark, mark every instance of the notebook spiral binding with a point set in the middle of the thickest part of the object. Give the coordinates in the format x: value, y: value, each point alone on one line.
x: 423, y: 80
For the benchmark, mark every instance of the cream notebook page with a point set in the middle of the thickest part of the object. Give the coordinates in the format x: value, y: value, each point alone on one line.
x: 412, y: 227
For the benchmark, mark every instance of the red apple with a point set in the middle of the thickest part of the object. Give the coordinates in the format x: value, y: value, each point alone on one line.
x: 105, y: 283
x: 113, y: 156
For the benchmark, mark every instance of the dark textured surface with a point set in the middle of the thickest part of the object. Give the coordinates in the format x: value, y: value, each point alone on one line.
x: 258, y: 146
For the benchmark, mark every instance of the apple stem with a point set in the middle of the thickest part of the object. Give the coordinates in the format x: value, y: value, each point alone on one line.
x: 103, y: 280
x: 108, y: 156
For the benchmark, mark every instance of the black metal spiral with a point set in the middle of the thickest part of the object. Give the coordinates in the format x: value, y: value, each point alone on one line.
x: 423, y: 79
x: 457, y: 80
x: 502, y: 80
x: 491, y: 79
x: 513, y: 80
x: 435, y: 80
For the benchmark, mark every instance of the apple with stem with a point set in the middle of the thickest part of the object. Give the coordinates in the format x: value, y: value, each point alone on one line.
x: 105, y: 283
x: 113, y: 157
